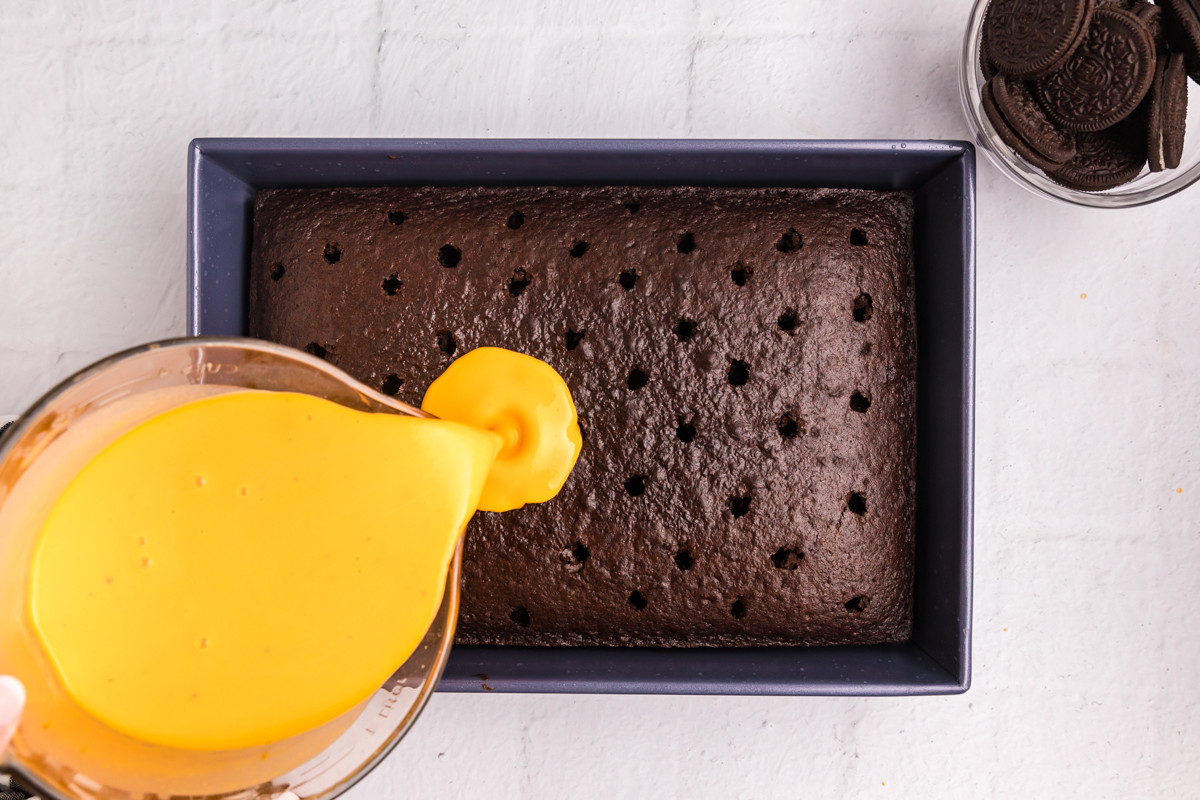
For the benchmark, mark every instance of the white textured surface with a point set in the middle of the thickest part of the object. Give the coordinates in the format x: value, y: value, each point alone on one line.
x: 1086, y: 638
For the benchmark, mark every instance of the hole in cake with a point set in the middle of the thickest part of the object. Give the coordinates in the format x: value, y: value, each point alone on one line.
x: 685, y: 329
x: 740, y: 506
x: 686, y: 243
x: 866, y: 349
x: 582, y: 431
x: 738, y: 609
x: 856, y: 503
x: 314, y: 349
x: 397, y: 217
x: 519, y: 615
x: 277, y: 272
x: 391, y: 385
x: 573, y: 338
x: 628, y: 279
x: 637, y: 379
x: 333, y: 253
x: 859, y: 402
x: 578, y: 249
x: 787, y: 558
x: 789, y: 242
x: 686, y: 432
x: 740, y: 274
x: 788, y: 320
x: 635, y: 485
x: 857, y: 604
x: 636, y: 600
x: 858, y: 237
x: 391, y: 284
x: 862, y: 308
x: 632, y: 206
x: 515, y: 220
x: 449, y: 256
x: 739, y: 373
x: 446, y: 342
x: 683, y: 559
x: 787, y: 426
x: 573, y: 557
x: 519, y: 280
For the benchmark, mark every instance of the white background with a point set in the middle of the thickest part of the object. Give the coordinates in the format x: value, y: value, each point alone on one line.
x: 1086, y: 601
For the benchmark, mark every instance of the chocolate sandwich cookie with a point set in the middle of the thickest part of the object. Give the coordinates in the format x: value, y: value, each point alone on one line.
x: 1105, y: 79
x: 1175, y: 108
x: 1026, y: 117
x: 1032, y: 38
x: 986, y: 65
x: 1008, y: 135
x: 1153, y: 114
x: 1183, y: 32
x: 1166, y: 113
x: 1105, y: 159
x: 1151, y: 16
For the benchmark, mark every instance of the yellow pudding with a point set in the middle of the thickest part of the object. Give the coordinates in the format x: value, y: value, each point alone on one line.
x: 248, y: 566
x: 526, y: 403
x: 245, y: 567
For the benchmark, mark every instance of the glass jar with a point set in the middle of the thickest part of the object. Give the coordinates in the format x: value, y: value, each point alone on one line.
x: 1147, y: 187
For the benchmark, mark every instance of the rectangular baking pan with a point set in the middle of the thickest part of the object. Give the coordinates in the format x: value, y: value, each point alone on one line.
x: 225, y: 174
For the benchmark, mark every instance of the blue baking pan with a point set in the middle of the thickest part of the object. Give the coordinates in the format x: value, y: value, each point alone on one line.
x: 225, y: 174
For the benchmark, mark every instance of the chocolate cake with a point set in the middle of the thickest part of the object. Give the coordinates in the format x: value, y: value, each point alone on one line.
x: 743, y: 362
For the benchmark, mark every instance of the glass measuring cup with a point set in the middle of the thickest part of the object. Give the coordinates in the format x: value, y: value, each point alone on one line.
x: 66, y: 753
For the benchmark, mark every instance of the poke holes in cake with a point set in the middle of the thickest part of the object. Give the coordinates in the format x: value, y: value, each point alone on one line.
x: 739, y: 505
x: 519, y: 281
x: 572, y: 338
x: 685, y: 329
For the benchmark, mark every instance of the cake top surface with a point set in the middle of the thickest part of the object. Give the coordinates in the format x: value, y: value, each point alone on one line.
x: 743, y: 363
